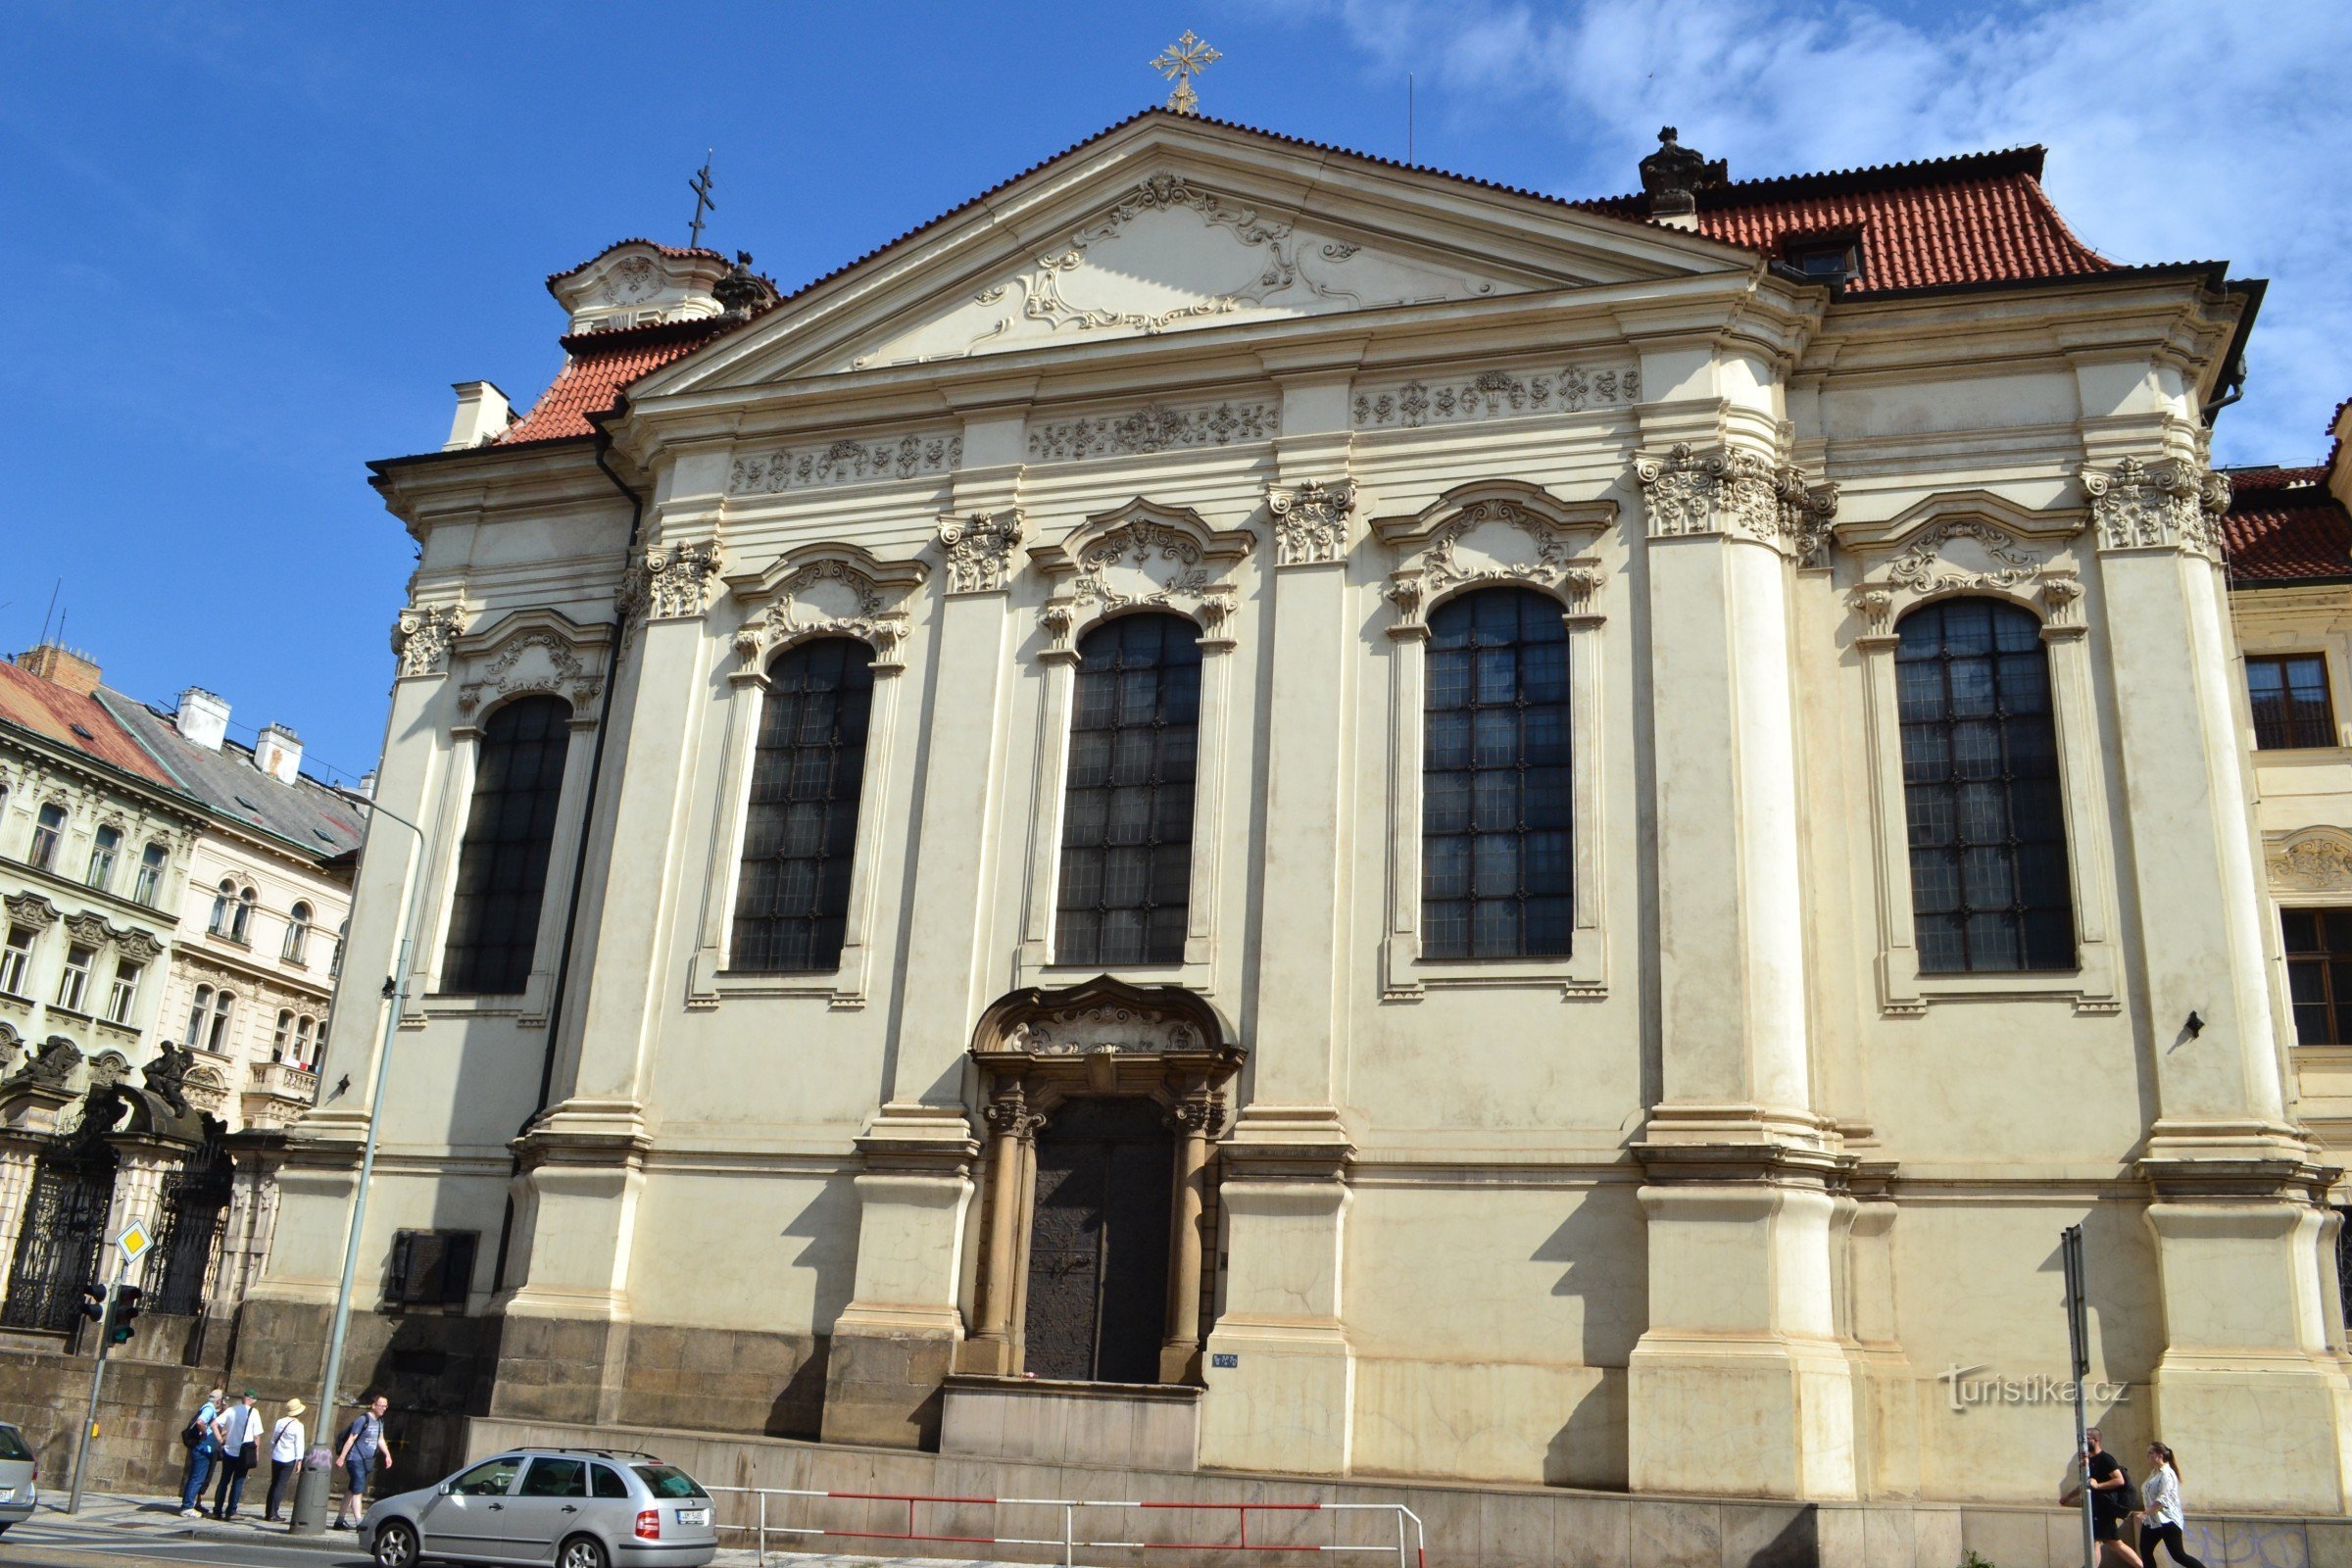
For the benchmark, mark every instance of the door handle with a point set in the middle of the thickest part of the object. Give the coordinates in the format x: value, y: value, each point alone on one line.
x: 572, y: 1508
x: 496, y: 1507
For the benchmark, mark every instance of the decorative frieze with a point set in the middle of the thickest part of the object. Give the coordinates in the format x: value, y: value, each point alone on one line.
x: 1154, y: 428
x: 1310, y: 520
x: 1931, y: 565
x: 979, y: 550
x: 1498, y: 395
x: 421, y: 636
x: 1083, y: 1031
x: 1737, y: 493
x: 2314, y: 860
x: 668, y: 582
x: 29, y: 909
x: 847, y: 461
x: 2168, y: 504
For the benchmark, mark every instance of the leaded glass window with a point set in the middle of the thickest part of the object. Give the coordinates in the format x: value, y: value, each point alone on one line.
x: 1982, y: 790
x: 502, y: 862
x: 1127, y: 821
x: 1497, y: 801
x: 800, y: 832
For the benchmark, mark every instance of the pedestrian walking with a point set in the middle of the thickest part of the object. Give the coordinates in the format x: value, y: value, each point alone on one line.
x: 361, y: 1451
x: 203, y: 1440
x: 2111, y: 1500
x: 240, y: 1452
x: 2160, y: 1518
x: 286, y: 1456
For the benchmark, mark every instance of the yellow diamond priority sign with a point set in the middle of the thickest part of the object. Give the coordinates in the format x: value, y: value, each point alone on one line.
x: 135, y: 1242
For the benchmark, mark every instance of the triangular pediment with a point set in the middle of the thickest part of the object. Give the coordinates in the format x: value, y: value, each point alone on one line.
x: 1168, y: 225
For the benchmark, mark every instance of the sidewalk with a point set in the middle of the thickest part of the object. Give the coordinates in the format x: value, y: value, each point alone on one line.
x: 124, y: 1513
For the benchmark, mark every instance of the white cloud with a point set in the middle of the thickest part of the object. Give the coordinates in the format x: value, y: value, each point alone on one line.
x: 2178, y: 129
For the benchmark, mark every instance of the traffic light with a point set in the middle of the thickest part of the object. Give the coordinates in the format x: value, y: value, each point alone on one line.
x: 126, y: 1313
x: 94, y: 1306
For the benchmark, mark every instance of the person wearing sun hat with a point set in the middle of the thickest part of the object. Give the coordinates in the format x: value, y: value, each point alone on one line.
x: 286, y: 1456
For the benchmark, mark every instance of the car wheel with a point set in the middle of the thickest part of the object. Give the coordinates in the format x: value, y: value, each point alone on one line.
x: 582, y: 1551
x: 395, y: 1544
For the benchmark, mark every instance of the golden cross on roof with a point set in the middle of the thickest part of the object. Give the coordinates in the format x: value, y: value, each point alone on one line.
x: 1180, y: 62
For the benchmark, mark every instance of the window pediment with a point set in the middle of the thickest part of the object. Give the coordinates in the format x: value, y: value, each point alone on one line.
x: 531, y: 651
x: 824, y: 591
x: 1142, y: 555
x: 1494, y: 531
x: 1967, y: 542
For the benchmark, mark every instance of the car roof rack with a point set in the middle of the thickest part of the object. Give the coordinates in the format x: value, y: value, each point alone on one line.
x: 610, y: 1454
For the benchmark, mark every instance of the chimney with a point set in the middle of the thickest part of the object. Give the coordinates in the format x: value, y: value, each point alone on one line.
x: 278, y: 751
x: 368, y: 784
x: 61, y: 667
x: 202, y: 719
x: 483, y: 416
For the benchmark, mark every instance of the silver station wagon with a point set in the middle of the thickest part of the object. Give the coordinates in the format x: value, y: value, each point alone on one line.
x: 20, y: 1477
x: 572, y: 1507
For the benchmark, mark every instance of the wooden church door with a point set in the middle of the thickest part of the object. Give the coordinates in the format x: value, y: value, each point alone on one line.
x: 1099, y: 1247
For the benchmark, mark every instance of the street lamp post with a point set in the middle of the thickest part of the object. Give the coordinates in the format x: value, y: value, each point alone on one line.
x: 310, y: 1506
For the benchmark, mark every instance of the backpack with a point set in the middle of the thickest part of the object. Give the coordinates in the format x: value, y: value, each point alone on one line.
x: 193, y: 1433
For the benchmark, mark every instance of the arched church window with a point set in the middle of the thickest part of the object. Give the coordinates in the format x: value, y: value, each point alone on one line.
x: 1989, y: 888
x: 502, y: 861
x: 800, y: 832
x: 1497, y: 801
x: 1127, y: 821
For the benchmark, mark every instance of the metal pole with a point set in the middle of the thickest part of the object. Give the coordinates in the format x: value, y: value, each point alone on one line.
x: 2078, y: 1334
x: 396, y: 990
x: 106, y: 1333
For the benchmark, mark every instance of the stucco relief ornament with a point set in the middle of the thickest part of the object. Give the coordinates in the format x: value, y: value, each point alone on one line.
x: 89, y: 928
x: 825, y: 599
x: 564, y: 672
x: 1876, y: 607
x: 674, y: 579
x: 1929, y: 567
x: 1445, y: 566
x: 2319, y: 863
x: 31, y: 909
x: 2157, y: 503
x: 1135, y: 544
x: 1311, y: 521
x: 1807, y: 512
x: 421, y: 638
x: 137, y: 946
x: 979, y: 550
x: 1686, y: 491
x: 1105, y: 1027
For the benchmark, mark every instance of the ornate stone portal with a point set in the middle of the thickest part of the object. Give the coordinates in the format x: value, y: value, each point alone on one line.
x: 1075, y: 1052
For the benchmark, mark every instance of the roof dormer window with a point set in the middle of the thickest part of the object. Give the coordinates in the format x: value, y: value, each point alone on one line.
x: 1831, y: 260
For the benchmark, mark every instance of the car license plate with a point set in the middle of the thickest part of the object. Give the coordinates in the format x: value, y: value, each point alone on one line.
x: 8, y: 1494
x: 694, y: 1516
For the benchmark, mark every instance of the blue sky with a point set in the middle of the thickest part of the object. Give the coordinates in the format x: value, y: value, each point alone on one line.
x: 248, y: 247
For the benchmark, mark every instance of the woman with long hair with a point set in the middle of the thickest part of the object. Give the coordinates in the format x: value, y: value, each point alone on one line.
x: 2160, y: 1509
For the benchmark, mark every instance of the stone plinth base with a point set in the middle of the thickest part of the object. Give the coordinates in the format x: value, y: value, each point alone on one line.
x: 1149, y: 1426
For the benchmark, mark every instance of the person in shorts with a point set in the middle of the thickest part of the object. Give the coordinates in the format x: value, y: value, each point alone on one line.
x: 364, y: 1450
x: 2112, y: 1502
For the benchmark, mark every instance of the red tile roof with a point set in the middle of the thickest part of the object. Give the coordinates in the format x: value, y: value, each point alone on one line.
x: 597, y: 367
x: 2284, y: 527
x: 1981, y: 219
x: 72, y: 719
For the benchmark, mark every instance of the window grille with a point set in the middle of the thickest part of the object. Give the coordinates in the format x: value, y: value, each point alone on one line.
x: 1980, y: 788
x: 800, y: 831
x: 431, y: 1268
x: 1497, y: 799
x: 1127, y: 823
x: 502, y: 863
x: 2288, y: 693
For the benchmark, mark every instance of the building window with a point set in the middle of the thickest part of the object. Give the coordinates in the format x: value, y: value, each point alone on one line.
x: 200, y: 1013
x: 2318, y: 973
x: 16, y: 959
x: 298, y: 934
x: 217, y: 1038
x: 104, y: 847
x: 47, y: 830
x: 73, y: 983
x: 431, y: 1268
x: 334, y: 963
x: 240, y: 918
x: 149, y: 882
x: 1127, y: 820
x: 281, y: 1042
x: 302, y: 1042
x: 800, y: 832
x: 1497, y: 799
x: 224, y: 900
x: 126, y: 990
x: 2289, y: 697
x: 1981, y: 790
x: 502, y: 863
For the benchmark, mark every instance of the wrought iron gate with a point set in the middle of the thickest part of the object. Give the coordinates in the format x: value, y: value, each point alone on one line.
x: 195, y: 1197
x: 64, y: 1227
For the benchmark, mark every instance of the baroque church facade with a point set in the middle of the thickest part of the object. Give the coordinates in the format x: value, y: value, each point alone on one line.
x: 1451, y: 834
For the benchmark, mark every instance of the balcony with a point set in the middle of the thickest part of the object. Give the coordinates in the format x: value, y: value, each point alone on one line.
x: 278, y: 1093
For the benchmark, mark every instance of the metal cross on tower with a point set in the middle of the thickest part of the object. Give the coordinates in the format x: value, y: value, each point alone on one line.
x: 700, y: 184
x: 1180, y: 62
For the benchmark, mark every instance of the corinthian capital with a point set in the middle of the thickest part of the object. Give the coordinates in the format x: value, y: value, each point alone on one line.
x: 979, y: 550
x: 421, y: 638
x: 668, y: 582
x: 2168, y: 504
x: 1310, y: 520
x: 1742, y: 494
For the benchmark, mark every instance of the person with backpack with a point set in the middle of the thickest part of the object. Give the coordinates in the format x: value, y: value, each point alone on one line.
x: 286, y: 1456
x: 2160, y: 1518
x: 240, y: 1450
x: 201, y: 1440
x: 361, y: 1449
x: 2111, y: 1500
